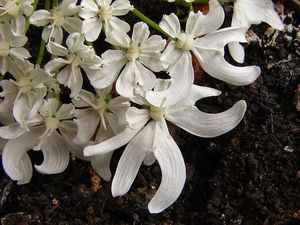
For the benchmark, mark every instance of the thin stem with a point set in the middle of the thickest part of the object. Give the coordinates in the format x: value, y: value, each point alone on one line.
x: 55, y: 3
x: 43, y: 43
x: 27, y: 25
x: 148, y: 21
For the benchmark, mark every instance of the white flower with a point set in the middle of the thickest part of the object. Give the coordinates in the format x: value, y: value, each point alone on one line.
x: 63, y: 16
x: 246, y: 13
x: 78, y: 56
x: 207, y: 43
x: 13, y: 11
x: 149, y: 138
x: 11, y: 46
x: 99, y: 118
x: 46, y: 117
x: 98, y: 14
x: 137, y: 54
x: 28, y: 79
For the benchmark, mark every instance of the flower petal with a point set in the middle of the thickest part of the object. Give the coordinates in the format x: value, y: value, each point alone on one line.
x: 182, y: 74
x: 56, y: 155
x: 137, y: 118
x: 173, y: 170
x: 11, y: 131
x: 15, y: 160
x: 118, y: 38
x: 140, y: 32
x: 91, y: 28
x: 170, y: 24
x: 215, y: 65
x: 132, y: 158
x: 101, y: 163
x: 199, y: 24
x: 207, y: 124
x: 236, y: 51
x: 40, y: 18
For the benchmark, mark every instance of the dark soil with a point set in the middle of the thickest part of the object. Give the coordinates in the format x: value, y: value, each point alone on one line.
x: 249, y: 176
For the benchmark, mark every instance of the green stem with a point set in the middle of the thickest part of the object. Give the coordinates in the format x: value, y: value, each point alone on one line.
x: 55, y: 3
x: 148, y: 21
x: 27, y: 25
x: 43, y: 43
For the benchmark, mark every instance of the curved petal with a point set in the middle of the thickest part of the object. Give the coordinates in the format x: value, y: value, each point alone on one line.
x: 15, y: 160
x: 182, y: 74
x: 116, y: 23
x: 170, y: 55
x: 173, y: 170
x: 236, y: 51
x: 118, y: 38
x: 20, y: 53
x: 56, y: 155
x: 127, y: 81
x: 40, y: 18
x: 215, y: 65
x: 207, y: 124
x: 132, y: 158
x: 56, y: 49
x: 120, y: 7
x: 170, y: 24
x: 72, y: 24
x: 54, y: 65
x: 199, y: 24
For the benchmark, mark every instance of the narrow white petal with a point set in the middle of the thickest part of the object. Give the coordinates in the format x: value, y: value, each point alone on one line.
x: 132, y: 158
x: 127, y: 80
x: 56, y: 155
x: 199, y: 24
x: 173, y: 170
x: 170, y: 24
x: 216, y: 66
x: 204, y: 124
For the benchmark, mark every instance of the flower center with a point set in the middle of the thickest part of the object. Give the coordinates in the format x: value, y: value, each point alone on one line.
x: 185, y: 42
x: 4, y: 48
x: 105, y: 12
x: 11, y: 8
x: 51, y: 124
x: 133, y: 51
x: 157, y: 113
x: 75, y: 60
x: 58, y: 18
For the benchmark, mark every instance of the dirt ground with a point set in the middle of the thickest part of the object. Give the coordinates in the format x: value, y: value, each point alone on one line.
x: 249, y: 176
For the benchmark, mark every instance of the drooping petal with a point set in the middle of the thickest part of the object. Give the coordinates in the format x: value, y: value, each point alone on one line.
x: 56, y: 155
x: 15, y: 160
x: 204, y: 124
x: 182, y: 75
x: 216, y: 66
x: 173, y: 170
x: 170, y: 24
x: 199, y: 24
x: 132, y: 158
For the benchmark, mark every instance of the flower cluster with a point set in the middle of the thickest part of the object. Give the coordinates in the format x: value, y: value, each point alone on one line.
x: 116, y: 98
